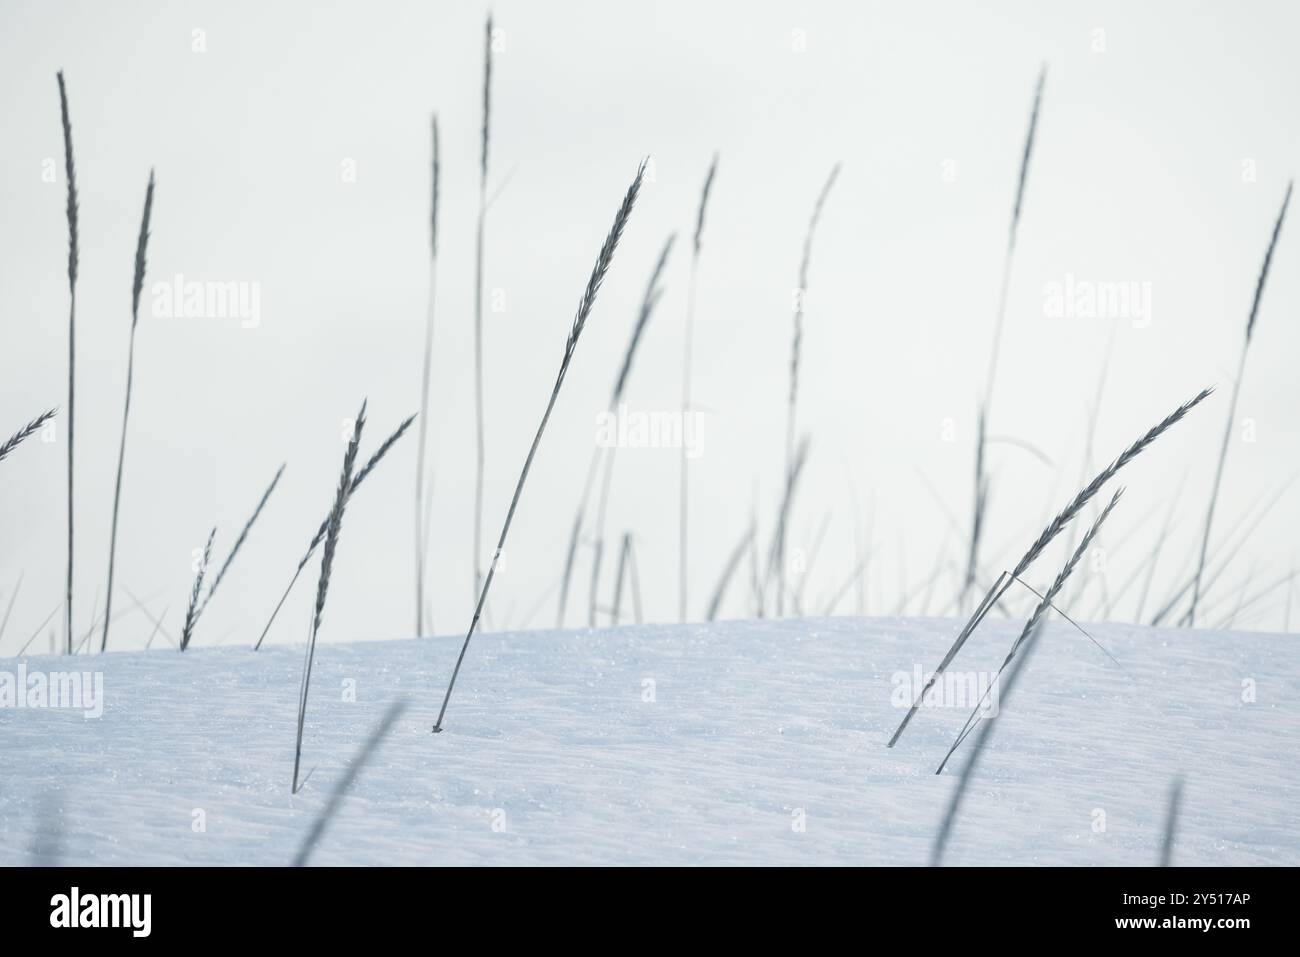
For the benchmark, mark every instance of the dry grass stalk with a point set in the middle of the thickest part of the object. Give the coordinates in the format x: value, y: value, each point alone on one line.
x: 332, y: 531
x: 27, y: 644
x: 480, y: 441
x: 981, y: 479
x: 1016, y: 211
x: 776, y: 553
x: 1154, y: 557
x: 1224, y: 553
x: 854, y: 577
x: 141, y: 249
x: 575, y: 533
x: 624, y: 559
x: 9, y: 609
x: 192, y: 612
x: 70, y: 172
x: 634, y: 579
x: 1045, y: 602
x: 796, y: 351
x: 32, y: 427
x: 1054, y: 528
x: 978, y: 510
x: 653, y: 293
x: 585, y: 304
x: 243, y: 536
x: 374, y: 460
x: 683, y: 495
x: 728, y: 572
x: 814, y: 553
x: 1232, y: 405
x: 600, y: 454
x: 423, y: 499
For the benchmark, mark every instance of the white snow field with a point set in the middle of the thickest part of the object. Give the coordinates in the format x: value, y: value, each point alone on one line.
x: 762, y: 743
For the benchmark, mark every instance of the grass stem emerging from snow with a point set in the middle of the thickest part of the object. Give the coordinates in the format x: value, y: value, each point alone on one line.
x: 192, y: 612
x: 585, y: 304
x: 1032, y: 624
x: 333, y: 528
x: 70, y: 172
x: 1054, y: 528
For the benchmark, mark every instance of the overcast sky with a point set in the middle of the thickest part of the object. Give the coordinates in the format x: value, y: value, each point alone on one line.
x: 291, y: 144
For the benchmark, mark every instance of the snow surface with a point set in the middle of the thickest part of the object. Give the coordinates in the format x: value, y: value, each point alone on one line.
x: 551, y: 755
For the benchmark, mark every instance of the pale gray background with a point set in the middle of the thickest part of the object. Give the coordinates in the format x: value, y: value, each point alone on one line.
x: 1137, y: 175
